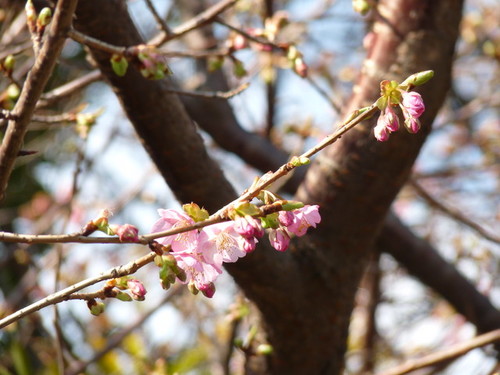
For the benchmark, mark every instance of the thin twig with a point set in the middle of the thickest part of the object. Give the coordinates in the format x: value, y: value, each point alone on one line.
x: 159, y: 20
x: 33, y: 88
x: 64, y: 294
x: 69, y: 88
x: 115, y: 340
x: 445, y: 355
x: 212, y: 94
x: 201, y: 19
x: 96, y: 43
x: 453, y: 213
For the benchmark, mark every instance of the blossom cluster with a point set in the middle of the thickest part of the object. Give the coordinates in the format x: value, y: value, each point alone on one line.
x: 198, y: 255
x: 410, y: 103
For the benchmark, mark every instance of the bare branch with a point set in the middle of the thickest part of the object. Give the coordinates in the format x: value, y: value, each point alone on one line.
x: 33, y: 87
x: 445, y: 355
x: 212, y: 94
x: 453, y: 213
x: 194, y: 23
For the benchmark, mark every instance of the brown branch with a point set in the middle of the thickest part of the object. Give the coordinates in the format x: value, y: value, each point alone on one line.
x: 33, y: 88
x: 212, y: 94
x: 63, y: 295
x: 194, y: 23
x: 159, y: 20
x: 69, y: 88
x: 453, y: 213
x: 445, y: 355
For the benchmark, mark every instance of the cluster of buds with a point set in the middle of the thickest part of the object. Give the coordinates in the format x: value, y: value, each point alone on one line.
x: 152, y: 64
x: 37, y: 23
x: 196, y: 257
x: 125, y: 232
x: 411, y: 104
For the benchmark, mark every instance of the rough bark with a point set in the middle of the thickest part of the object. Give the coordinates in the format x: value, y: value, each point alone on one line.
x: 306, y: 295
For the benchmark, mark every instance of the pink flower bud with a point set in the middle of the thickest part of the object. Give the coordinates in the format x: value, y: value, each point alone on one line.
x: 137, y: 289
x: 412, y: 124
x: 208, y: 290
x: 413, y: 103
x: 248, y: 227
x: 381, y: 132
x: 127, y: 233
x: 285, y: 218
x: 391, y: 119
x: 279, y: 239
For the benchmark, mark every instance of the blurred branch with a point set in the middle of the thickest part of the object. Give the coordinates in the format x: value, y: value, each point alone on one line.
x: 114, y: 340
x: 453, y: 213
x: 33, y: 88
x: 424, y: 262
x: 445, y: 355
x: 194, y: 23
x: 64, y: 295
x: 159, y: 20
x: 69, y: 88
x: 214, y: 94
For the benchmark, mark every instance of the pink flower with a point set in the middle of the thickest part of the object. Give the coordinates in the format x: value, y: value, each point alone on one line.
x: 305, y: 217
x: 285, y: 218
x: 413, y: 104
x: 198, y: 271
x: 279, y: 239
x: 137, y: 289
x: 171, y: 219
x: 127, y: 233
x: 391, y: 119
x: 248, y: 227
x: 221, y: 243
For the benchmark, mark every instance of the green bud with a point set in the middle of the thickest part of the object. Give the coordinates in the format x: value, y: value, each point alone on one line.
x: 8, y: 63
x: 417, y: 79
x: 119, y: 64
x: 168, y: 260
x: 13, y: 91
x: 30, y: 12
x: 44, y: 18
x: 195, y: 212
x: 292, y: 53
x: 264, y: 349
x: 238, y: 68
x: 158, y: 260
x: 122, y: 296
x: 181, y: 274
x: 96, y: 308
x: 298, y: 161
x: 361, y: 6
x: 215, y: 63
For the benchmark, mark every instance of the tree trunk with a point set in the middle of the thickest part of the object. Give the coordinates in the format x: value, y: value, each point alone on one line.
x: 305, y: 296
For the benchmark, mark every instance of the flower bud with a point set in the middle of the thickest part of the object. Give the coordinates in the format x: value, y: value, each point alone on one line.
x: 127, y: 233
x: 412, y: 124
x: 137, y: 289
x: 413, y: 103
x: 361, y: 6
x: 208, y: 290
x: 264, y: 349
x: 43, y: 19
x: 96, y: 308
x: 119, y: 64
x: 417, y: 79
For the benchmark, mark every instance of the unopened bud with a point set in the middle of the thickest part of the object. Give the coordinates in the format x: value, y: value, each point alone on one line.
x: 119, y: 64
x: 192, y: 288
x: 298, y: 161
x: 264, y: 349
x: 417, y: 79
x: 43, y: 19
x: 361, y: 6
x: 96, y: 308
x: 8, y: 64
x: 208, y: 290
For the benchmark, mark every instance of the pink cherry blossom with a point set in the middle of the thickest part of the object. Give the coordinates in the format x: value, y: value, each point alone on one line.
x: 279, y: 239
x: 391, y: 119
x: 285, y: 218
x: 413, y: 103
x: 381, y: 131
x: 305, y: 217
x: 198, y: 271
x: 172, y: 219
x: 220, y: 243
x: 412, y: 124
